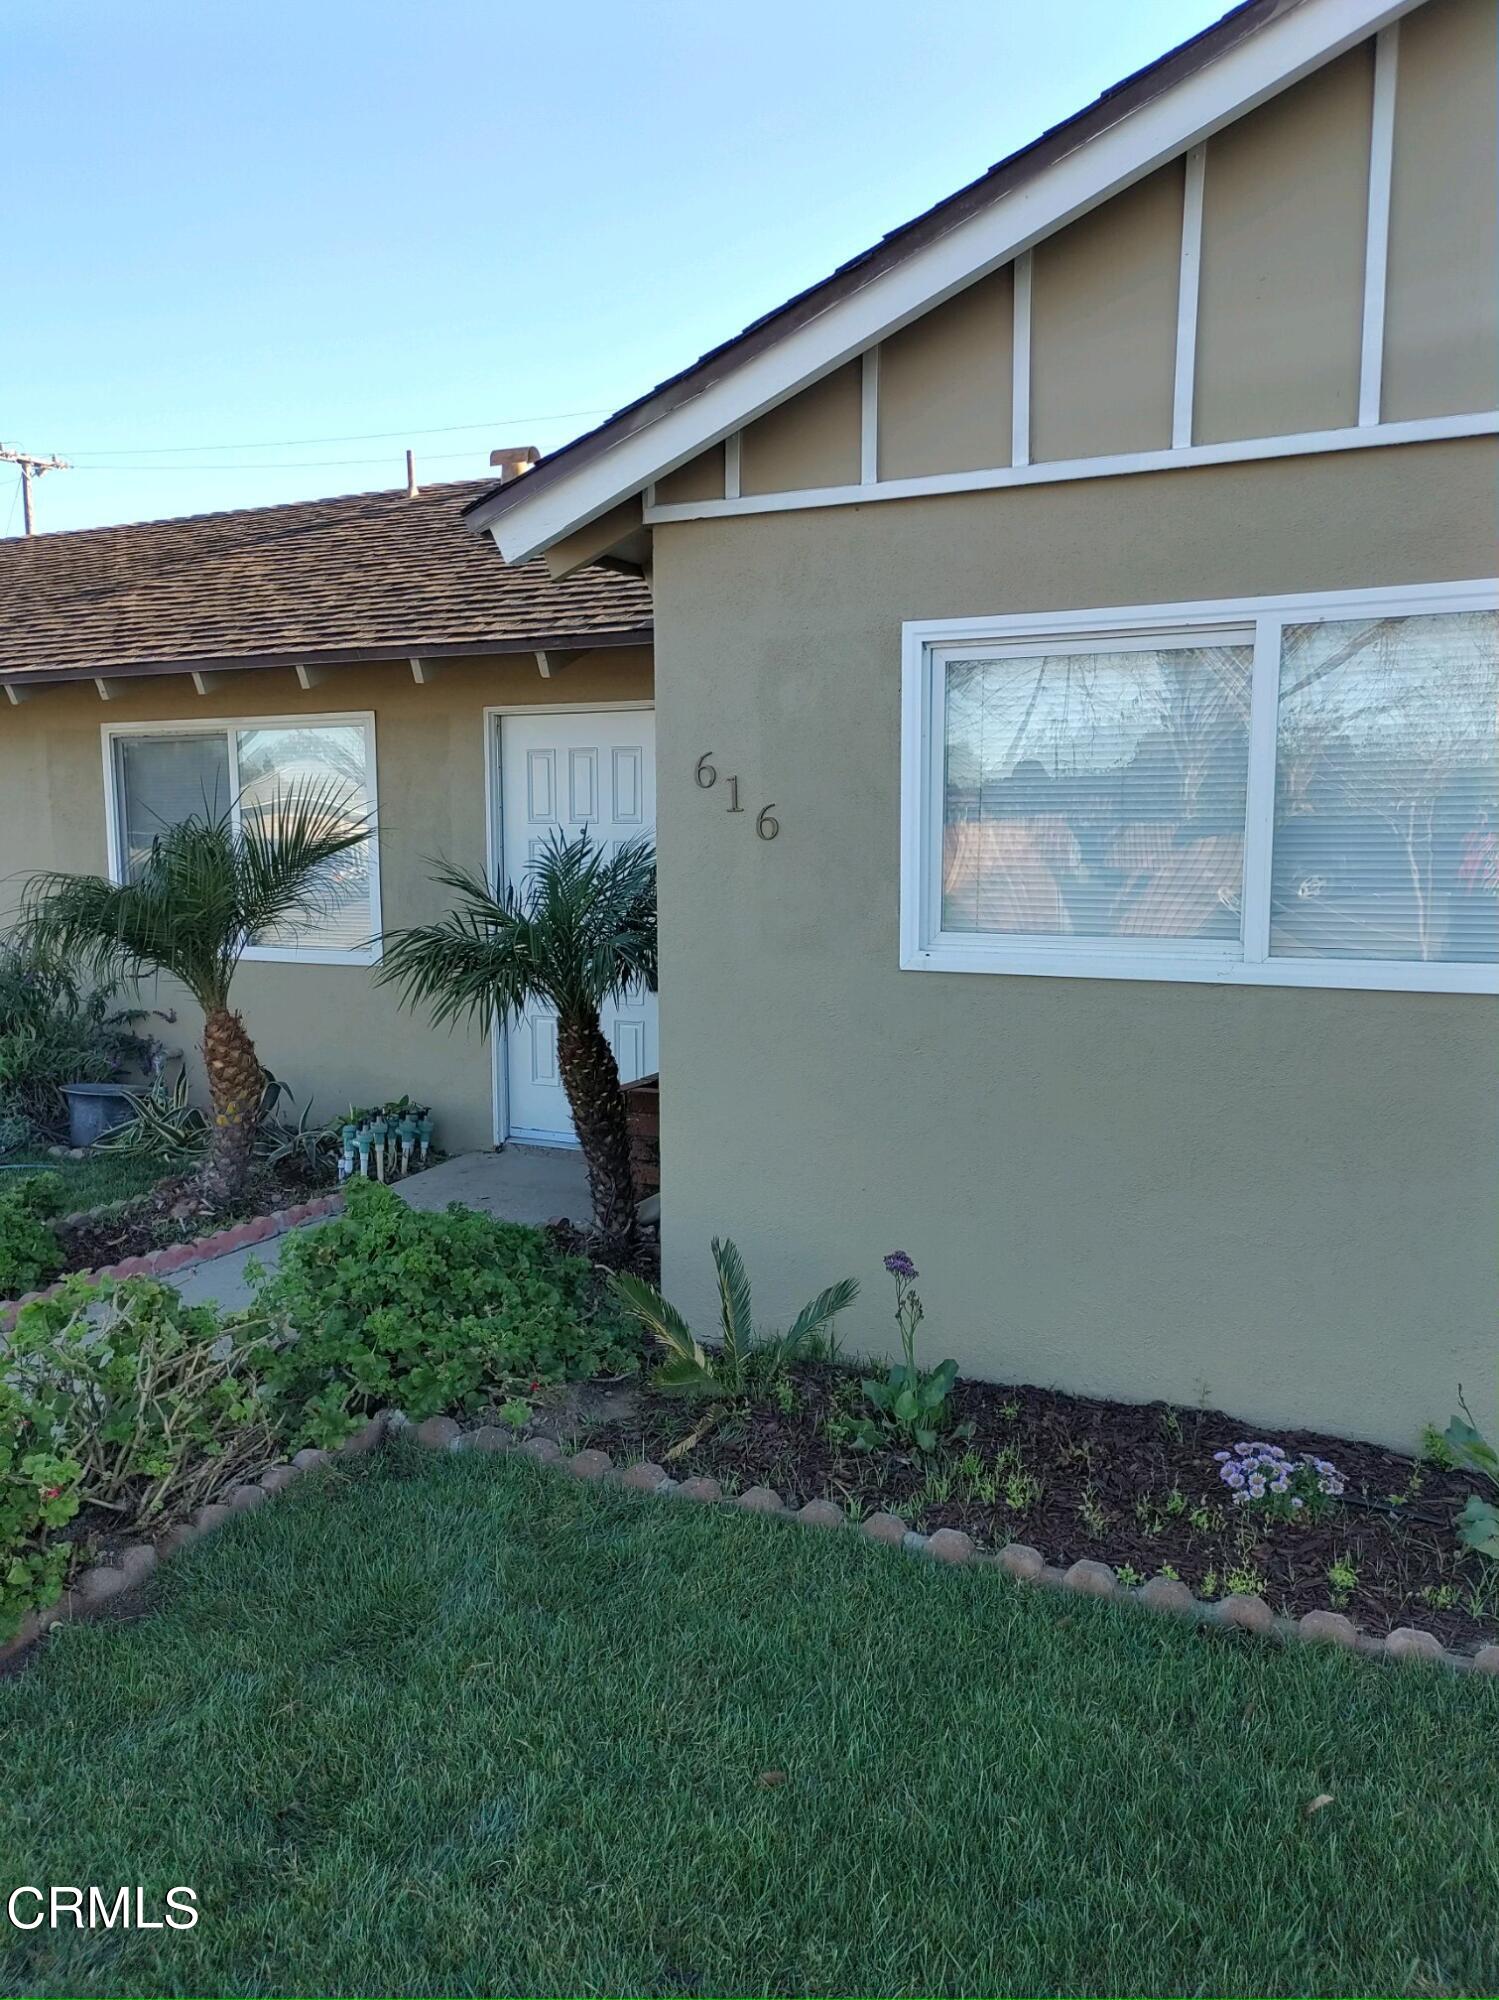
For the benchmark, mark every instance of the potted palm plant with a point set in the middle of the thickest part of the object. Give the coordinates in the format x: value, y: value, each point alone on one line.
x: 209, y: 886
x: 580, y: 930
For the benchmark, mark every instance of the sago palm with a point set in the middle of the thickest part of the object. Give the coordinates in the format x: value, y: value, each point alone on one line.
x: 209, y: 886
x: 579, y: 931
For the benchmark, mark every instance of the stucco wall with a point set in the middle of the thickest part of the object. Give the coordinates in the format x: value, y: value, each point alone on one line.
x: 327, y: 1030
x: 1442, y: 304
x: 1279, y: 1202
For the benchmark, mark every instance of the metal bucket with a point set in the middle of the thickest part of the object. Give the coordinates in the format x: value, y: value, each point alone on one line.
x: 94, y: 1109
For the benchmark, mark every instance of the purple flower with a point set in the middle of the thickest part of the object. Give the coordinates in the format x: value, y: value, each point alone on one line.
x: 899, y: 1265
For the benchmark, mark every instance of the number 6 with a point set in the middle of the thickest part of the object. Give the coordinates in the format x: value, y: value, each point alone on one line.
x: 705, y: 774
x: 765, y: 825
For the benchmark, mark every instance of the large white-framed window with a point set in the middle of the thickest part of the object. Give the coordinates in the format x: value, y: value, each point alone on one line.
x: 159, y: 773
x: 1272, y: 791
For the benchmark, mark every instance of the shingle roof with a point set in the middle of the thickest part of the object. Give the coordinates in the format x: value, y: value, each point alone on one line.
x: 366, y: 576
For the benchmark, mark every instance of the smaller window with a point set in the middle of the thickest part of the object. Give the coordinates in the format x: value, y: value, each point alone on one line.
x: 164, y: 774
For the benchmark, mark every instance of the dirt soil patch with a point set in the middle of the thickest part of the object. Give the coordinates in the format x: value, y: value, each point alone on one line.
x: 1134, y: 1485
x: 175, y: 1211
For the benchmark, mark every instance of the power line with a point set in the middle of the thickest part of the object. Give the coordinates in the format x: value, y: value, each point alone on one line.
x: 344, y: 437
x: 284, y: 464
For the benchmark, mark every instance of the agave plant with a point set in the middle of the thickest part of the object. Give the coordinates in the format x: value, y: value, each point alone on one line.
x: 742, y: 1358
x: 210, y: 885
x: 581, y: 930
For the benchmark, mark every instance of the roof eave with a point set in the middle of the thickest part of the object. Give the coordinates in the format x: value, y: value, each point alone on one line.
x: 324, y: 656
x: 1243, y: 60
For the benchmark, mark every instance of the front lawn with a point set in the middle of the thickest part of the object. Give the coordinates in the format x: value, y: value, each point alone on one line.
x: 451, y: 1723
x: 98, y: 1177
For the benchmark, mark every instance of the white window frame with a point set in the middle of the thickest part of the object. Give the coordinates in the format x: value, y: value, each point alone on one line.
x: 927, y: 646
x: 230, y: 725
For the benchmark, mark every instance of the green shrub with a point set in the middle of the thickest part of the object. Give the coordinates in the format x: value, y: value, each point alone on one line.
x: 29, y: 1251
x: 53, y: 1032
x: 38, y: 1495
x: 426, y: 1311
x: 157, y: 1403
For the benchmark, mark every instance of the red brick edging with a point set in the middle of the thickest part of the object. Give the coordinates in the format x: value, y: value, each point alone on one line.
x: 200, y: 1250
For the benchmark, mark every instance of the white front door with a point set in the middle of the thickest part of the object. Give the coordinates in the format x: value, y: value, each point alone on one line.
x: 560, y: 773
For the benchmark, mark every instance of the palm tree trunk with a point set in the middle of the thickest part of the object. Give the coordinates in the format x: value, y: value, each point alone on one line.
x: 590, y: 1076
x: 235, y: 1085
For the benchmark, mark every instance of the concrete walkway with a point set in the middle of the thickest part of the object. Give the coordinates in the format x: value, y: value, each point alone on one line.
x: 520, y: 1184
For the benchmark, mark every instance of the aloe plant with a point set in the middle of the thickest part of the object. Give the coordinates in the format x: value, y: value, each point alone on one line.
x: 742, y: 1359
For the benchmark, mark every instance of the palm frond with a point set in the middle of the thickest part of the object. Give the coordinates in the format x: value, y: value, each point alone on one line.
x: 736, y: 1320
x: 285, y: 845
x: 208, y: 885
x: 687, y: 1365
x: 813, y: 1317
x: 578, y: 931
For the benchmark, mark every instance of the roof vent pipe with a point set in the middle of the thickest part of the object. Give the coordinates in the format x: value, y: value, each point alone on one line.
x: 412, y: 489
x: 512, y: 460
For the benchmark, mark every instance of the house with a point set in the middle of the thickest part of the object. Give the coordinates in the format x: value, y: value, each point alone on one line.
x: 376, y: 639
x: 1075, y: 631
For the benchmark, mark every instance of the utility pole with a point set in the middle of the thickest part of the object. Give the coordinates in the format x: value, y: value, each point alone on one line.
x: 32, y: 467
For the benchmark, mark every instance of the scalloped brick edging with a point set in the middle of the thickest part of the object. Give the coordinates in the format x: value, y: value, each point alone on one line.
x: 950, y: 1545
x: 198, y: 1250
x: 97, y: 1585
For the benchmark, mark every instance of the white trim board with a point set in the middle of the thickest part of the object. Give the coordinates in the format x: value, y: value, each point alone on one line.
x: 494, y: 850
x: 924, y: 947
x: 228, y: 726
x: 1185, y: 382
x: 1246, y: 75
x: 1302, y: 444
x: 1377, y: 241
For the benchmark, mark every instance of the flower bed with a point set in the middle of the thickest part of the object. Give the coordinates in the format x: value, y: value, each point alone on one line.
x: 175, y: 1211
x: 1081, y: 1479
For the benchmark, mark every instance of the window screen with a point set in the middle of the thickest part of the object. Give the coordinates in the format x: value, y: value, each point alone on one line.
x: 1098, y: 793
x: 164, y: 779
x: 1386, y: 841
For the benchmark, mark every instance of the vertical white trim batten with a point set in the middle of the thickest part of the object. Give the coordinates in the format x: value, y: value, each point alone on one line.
x: 1186, y: 299
x: 869, y: 417
x: 1020, y: 387
x: 1377, y: 246
x: 731, y: 466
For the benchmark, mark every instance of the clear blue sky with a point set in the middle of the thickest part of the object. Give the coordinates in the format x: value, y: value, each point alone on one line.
x: 282, y: 220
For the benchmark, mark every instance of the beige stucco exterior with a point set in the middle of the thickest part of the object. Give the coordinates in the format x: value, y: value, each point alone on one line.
x: 1103, y: 325
x: 811, y: 441
x: 1278, y: 1202
x: 1284, y: 212
x: 1442, y: 303
x: 701, y: 478
x: 326, y: 1030
x: 946, y: 382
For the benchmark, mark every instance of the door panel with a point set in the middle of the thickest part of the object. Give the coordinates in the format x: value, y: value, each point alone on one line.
x: 562, y: 773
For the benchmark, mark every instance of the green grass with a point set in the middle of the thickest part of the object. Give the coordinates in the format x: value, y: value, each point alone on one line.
x: 102, y: 1177
x: 457, y: 1725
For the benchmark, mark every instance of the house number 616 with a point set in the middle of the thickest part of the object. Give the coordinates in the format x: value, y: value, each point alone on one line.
x: 766, y: 824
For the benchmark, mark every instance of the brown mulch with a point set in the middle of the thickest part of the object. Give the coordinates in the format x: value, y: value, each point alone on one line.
x: 1128, y: 1484
x: 176, y: 1211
